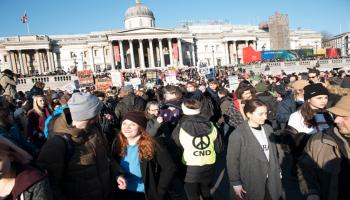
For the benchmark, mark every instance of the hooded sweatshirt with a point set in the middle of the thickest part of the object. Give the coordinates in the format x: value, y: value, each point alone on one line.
x: 196, y: 126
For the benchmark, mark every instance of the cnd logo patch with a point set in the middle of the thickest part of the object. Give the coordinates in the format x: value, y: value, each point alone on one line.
x: 265, y: 147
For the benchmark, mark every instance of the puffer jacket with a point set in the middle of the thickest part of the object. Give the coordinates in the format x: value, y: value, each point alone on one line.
x: 88, y: 173
x: 9, y: 85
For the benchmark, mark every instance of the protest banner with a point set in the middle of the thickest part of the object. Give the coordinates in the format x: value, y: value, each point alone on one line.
x: 102, y: 84
x: 86, y: 78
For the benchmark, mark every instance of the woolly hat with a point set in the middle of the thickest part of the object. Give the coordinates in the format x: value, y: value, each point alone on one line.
x: 300, y: 84
x: 261, y: 87
x: 137, y: 117
x: 20, y: 155
x: 314, y: 90
x: 342, y: 108
x: 127, y: 89
x: 84, y: 106
x: 188, y: 111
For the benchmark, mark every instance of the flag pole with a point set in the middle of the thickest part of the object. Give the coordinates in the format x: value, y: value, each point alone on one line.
x: 28, y: 28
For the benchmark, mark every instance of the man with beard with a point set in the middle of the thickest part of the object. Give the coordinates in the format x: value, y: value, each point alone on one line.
x: 324, y: 168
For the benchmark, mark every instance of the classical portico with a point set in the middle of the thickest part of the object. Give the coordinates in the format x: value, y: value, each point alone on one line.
x: 30, y: 55
x: 143, y: 53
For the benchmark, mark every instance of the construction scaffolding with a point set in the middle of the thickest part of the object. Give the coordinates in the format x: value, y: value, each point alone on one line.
x: 279, y: 31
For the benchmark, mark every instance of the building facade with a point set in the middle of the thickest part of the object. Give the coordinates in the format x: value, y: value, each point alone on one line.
x: 142, y: 45
x: 341, y: 41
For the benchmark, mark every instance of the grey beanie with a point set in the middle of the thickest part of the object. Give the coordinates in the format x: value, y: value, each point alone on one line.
x: 84, y: 106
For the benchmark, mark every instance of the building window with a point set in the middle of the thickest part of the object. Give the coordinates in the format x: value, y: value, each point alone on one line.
x: 107, y: 52
x: 95, y: 52
x: 217, y: 47
x: 205, y: 48
x: 85, y: 54
x: 5, y: 58
x: 72, y: 54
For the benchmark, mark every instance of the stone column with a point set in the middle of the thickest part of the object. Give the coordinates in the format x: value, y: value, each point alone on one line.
x: 152, y: 54
x: 92, y: 62
x: 142, y: 55
x: 103, y: 57
x: 170, y: 51
x: 21, y: 61
x: 121, y: 53
x: 132, y: 55
x: 235, y: 52
x: 246, y: 43
x: 227, y: 55
x: 48, y: 53
x: 179, y: 46
x: 193, y: 56
x: 38, y: 65
x: 11, y: 61
x: 162, y: 64
x: 53, y: 61
x: 25, y: 63
x: 112, y: 56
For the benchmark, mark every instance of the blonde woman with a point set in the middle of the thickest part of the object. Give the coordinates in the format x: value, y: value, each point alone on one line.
x: 36, y: 121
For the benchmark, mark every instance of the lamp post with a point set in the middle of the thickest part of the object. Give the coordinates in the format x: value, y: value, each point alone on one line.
x: 82, y: 60
x: 74, y: 57
x: 263, y: 50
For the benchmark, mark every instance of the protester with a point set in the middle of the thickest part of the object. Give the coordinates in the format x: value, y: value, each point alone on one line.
x: 7, y: 83
x: 311, y: 117
x: 252, y: 162
x: 36, y: 121
x: 148, y: 168
x: 18, y: 179
x: 324, y: 167
x: 77, y: 160
x: 199, y: 141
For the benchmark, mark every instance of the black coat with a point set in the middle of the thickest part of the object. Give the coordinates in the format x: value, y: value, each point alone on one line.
x: 157, y: 174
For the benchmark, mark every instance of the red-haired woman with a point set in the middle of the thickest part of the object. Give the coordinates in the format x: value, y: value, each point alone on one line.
x: 148, y: 167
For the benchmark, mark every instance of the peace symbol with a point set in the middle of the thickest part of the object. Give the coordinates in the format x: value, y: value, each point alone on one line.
x: 201, y: 142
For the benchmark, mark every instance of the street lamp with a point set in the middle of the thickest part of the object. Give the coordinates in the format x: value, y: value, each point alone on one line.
x: 82, y: 60
x: 74, y: 57
x: 212, y: 51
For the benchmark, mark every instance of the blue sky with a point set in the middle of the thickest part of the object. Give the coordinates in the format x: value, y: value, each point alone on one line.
x: 53, y: 17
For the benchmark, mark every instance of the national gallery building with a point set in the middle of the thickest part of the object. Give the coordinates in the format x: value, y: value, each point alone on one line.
x: 142, y: 45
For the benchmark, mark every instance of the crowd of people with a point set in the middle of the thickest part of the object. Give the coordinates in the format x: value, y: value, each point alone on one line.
x: 271, y: 138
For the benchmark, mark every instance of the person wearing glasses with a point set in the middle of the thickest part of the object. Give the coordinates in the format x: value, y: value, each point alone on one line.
x: 314, y: 76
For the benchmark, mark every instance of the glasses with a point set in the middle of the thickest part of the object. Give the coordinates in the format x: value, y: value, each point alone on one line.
x: 312, y: 76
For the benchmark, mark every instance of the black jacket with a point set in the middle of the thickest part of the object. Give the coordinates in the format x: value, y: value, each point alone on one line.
x: 131, y: 102
x: 196, y: 125
x: 157, y: 173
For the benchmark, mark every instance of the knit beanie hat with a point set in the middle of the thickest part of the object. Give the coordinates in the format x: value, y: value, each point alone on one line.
x: 261, y: 87
x: 137, y: 117
x: 314, y: 90
x: 84, y: 106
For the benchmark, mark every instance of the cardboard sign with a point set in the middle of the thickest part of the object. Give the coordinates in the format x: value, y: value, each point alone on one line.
x: 102, y: 84
x: 233, y: 81
x: 86, y: 78
x: 116, y: 78
x: 151, y: 75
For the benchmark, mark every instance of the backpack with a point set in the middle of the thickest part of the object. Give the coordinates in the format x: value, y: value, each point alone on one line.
x: 232, y: 116
x: 69, y: 147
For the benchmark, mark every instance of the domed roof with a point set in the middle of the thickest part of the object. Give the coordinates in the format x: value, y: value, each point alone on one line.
x: 138, y: 10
